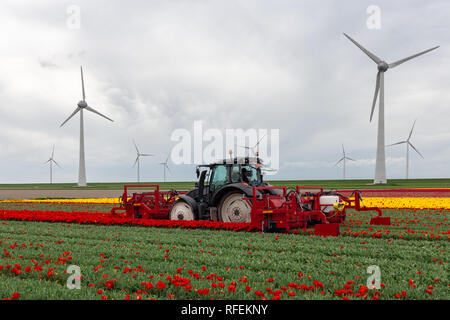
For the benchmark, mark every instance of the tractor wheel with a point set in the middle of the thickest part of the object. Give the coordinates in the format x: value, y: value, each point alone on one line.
x: 233, y: 208
x: 181, y: 210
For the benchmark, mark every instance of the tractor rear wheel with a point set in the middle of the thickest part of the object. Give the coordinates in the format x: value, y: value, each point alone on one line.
x: 181, y: 210
x: 233, y: 208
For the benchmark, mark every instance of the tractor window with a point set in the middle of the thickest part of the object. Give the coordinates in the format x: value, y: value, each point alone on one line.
x: 219, y: 178
x: 235, y: 174
x: 253, y: 176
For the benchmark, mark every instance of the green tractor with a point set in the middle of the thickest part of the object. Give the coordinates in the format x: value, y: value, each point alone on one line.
x: 218, y: 194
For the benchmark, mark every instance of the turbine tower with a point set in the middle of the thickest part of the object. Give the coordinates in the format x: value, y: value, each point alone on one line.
x: 51, y: 161
x: 408, y: 144
x: 344, y: 157
x: 137, y: 159
x: 80, y: 106
x: 380, y: 165
x: 164, y: 164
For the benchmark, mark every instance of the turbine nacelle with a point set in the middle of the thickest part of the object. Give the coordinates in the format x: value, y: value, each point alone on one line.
x: 383, y: 66
x: 82, y: 104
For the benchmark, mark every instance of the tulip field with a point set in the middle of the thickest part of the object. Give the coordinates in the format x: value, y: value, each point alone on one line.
x: 158, y: 259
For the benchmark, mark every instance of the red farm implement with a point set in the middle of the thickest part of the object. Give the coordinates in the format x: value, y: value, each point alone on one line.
x: 153, y: 204
x: 236, y: 193
x: 303, y: 209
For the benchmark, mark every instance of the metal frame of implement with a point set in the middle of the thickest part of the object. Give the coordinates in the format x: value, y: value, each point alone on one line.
x: 292, y: 209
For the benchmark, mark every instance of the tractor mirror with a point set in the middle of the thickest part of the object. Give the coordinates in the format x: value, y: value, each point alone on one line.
x: 197, y: 171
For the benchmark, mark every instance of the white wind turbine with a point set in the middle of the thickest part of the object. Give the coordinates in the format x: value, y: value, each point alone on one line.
x: 80, y: 106
x: 344, y: 157
x: 51, y: 161
x: 380, y: 165
x: 252, y: 148
x: 408, y: 144
x: 164, y: 164
x: 137, y: 159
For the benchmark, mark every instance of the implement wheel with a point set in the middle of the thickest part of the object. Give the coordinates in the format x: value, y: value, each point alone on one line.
x: 233, y: 208
x: 181, y: 210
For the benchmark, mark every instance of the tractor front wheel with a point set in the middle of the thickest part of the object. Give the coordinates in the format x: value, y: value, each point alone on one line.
x: 233, y: 208
x: 181, y: 210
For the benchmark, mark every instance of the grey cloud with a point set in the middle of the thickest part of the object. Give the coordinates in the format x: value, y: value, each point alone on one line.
x: 154, y: 66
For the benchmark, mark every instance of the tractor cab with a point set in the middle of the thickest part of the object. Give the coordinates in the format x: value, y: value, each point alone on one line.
x: 229, y: 177
x: 239, y: 170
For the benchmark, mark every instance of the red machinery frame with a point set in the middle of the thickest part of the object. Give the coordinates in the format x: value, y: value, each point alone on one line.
x: 269, y: 212
x: 293, y: 210
x: 154, y: 204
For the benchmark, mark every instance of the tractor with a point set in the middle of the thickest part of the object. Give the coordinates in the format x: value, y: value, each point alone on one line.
x: 221, y: 191
x: 233, y: 190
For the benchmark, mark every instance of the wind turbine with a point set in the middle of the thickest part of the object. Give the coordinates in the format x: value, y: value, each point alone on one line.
x: 408, y: 144
x: 80, y: 107
x: 252, y: 148
x: 164, y: 164
x: 51, y: 161
x: 344, y: 157
x: 380, y: 165
x: 137, y: 159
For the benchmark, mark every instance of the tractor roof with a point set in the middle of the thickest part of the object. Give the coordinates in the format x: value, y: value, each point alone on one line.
x: 235, y: 160
x: 240, y: 160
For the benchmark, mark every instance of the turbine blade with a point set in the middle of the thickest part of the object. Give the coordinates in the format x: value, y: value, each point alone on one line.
x: 338, y: 162
x: 410, y: 133
x: 53, y: 151
x: 146, y: 154
x: 73, y: 113
x: 137, y: 159
x: 137, y: 150
x: 399, y: 62
x: 56, y: 163
x: 167, y: 167
x: 415, y: 149
x: 350, y: 159
x: 47, y: 161
x: 377, y: 89
x: 82, y: 83
x: 343, y: 150
x: 95, y: 111
x: 394, y: 144
x: 369, y: 54
x: 259, y: 141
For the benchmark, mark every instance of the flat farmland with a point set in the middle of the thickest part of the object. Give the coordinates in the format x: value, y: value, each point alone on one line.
x: 135, y: 262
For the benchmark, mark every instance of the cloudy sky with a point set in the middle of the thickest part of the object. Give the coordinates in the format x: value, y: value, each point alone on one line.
x: 155, y: 66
